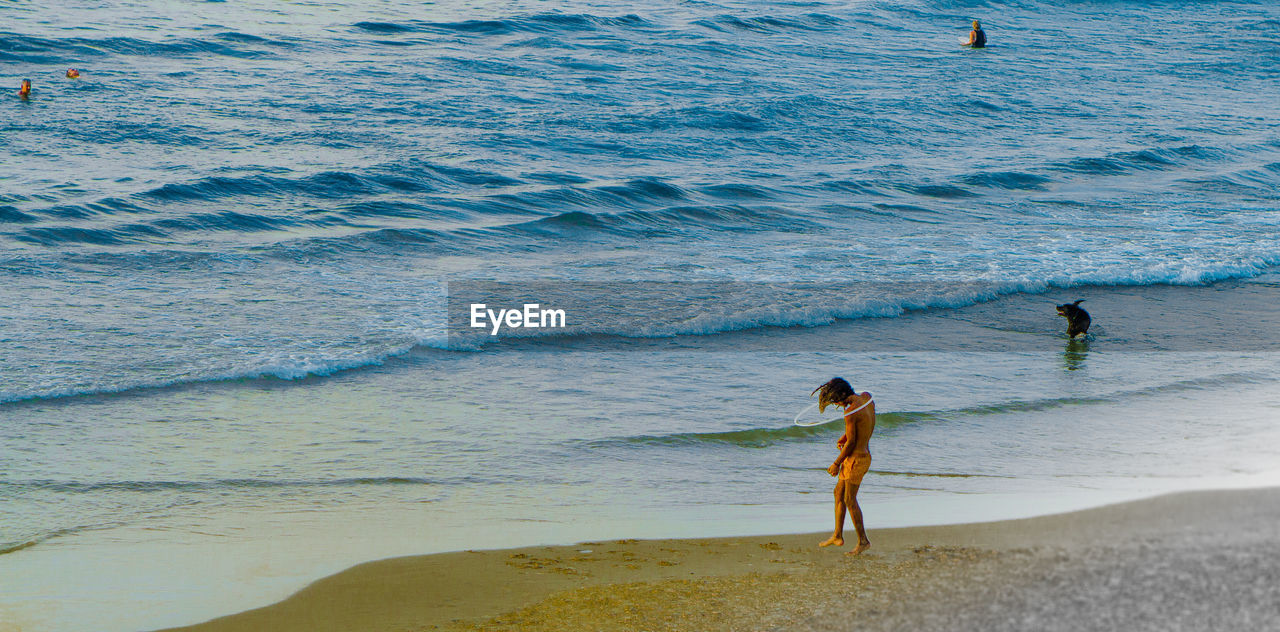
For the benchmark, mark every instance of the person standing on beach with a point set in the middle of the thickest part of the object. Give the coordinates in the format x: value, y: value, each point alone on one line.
x: 854, y: 458
x: 977, y: 37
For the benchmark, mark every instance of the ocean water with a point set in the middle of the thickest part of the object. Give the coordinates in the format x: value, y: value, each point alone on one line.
x: 234, y: 253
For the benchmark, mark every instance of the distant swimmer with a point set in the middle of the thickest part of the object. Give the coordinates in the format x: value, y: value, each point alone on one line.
x: 977, y: 37
x: 25, y: 90
x: 72, y: 73
x: 1077, y: 319
x: 854, y: 458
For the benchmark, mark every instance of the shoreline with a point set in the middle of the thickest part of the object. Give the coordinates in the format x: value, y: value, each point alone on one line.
x: 913, y: 578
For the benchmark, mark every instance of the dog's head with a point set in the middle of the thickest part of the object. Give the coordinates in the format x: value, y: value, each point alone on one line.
x: 1070, y: 310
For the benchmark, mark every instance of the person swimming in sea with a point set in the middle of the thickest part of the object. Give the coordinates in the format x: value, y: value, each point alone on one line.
x: 25, y: 90
x: 72, y: 73
x: 854, y: 459
x: 977, y: 37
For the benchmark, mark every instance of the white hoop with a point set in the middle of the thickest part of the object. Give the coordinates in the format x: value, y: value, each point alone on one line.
x: 820, y: 420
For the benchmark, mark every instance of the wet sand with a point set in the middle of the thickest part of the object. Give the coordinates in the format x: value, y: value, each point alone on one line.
x: 1192, y: 561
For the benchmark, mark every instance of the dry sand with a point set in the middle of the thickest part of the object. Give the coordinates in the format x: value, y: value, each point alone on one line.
x: 1193, y: 561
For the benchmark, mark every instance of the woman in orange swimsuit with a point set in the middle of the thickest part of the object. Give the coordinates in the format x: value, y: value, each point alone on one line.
x: 854, y: 458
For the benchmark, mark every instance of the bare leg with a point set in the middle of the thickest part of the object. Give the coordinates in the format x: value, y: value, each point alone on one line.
x: 837, y: 537
x: 855, y: 512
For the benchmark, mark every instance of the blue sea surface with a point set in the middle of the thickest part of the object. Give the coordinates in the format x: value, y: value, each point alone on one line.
x: 227, y: 252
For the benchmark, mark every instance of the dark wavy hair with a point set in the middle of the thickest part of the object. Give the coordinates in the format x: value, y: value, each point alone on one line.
x: 833, y: 392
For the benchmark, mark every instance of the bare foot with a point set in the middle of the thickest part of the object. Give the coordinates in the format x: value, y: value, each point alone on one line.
x: 834, y: 540
x: 862, y: 546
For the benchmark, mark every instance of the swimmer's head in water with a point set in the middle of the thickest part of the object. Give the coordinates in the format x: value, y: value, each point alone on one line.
x: 72, y: 73
x: 836, y: 392
x: 26, y: 87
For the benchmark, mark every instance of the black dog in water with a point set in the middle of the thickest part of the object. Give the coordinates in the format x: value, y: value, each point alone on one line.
x: 1077, y: 319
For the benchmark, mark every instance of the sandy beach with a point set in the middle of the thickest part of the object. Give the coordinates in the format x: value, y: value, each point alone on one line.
x: 1190, y: 561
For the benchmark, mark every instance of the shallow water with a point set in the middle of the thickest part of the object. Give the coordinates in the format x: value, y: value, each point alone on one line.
x: 233, y: 252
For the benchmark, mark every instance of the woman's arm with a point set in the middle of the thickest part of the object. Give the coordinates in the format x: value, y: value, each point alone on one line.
x: 851, y: 439
x: 845, y: 453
